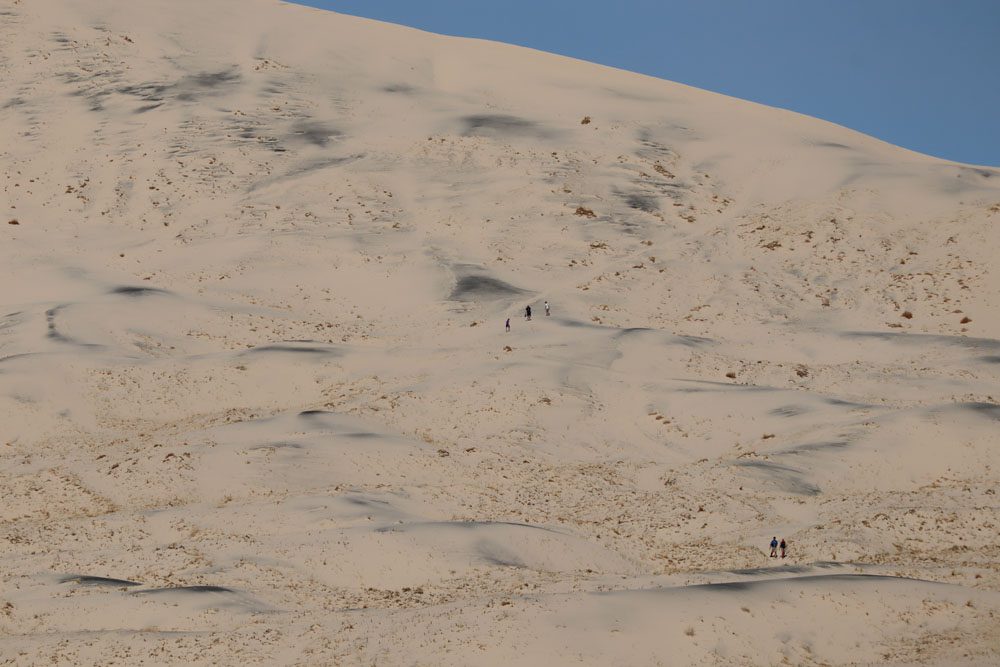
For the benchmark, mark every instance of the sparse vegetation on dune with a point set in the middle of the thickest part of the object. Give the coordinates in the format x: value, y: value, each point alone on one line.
x: 260, y: 403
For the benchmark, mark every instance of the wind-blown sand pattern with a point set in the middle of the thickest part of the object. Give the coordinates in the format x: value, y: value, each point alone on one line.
x: 259, y: 406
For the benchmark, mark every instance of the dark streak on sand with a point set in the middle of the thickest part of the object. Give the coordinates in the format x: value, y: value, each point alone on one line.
x: 576, y: 324
x: 712, y: 385
x: 494, y: 554
x: 650, y: 148
x: 318, y: 416
x: 361, y: 501
x: 185, y: 589
x: 10, y: 319
x: 399, y: 88
x: 813, y: 578
x: 87, y: 580
x: 841, y: 403
x: 50, y: 319
x: 695, y: 341
x: 781, y: 569
x: 669, y: 339
x: 20, y: 355
x: 315, y: 133
x: 185, y: 89
x: 813, y: 447
x: 296, y: 349
x: 990, y: 410
x: 641, y: 202
x: 627, y: 331
x: 728, y: 586
x: 788, y: 479
x: 789, y: 411
x: 129, y: 290
x: 276, y: 445
x: 475, y: 288
x: 460, y: 525
x: 306, y: 168
x: 500, y: 126
x: 976, y: 171
x: 53, y: 333
x: 923, y: 339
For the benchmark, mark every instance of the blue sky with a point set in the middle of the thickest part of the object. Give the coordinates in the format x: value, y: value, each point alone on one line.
x: 923, y: 74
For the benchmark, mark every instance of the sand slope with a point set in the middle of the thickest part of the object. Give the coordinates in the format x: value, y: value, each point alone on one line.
x: 259, y: 406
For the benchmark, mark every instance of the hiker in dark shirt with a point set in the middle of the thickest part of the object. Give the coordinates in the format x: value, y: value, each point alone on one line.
x: 527, y: 313
x: 774, y: 547
x: 783, y: 546
x: 508, y: 324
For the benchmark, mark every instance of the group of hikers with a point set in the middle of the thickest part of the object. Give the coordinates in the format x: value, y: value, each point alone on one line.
x: 527, y: 314
x: 775, y: 545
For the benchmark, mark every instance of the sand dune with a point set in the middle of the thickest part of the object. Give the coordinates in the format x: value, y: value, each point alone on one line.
x: 259, y: 406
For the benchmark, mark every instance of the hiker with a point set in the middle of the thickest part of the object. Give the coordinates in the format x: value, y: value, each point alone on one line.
x: 508, y: 325
x: 784, y: 545
x: 774, y: 547
x: 527, y: 313
x: 547, y: 309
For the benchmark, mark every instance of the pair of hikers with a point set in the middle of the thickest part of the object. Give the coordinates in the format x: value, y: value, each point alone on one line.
x: 527, y: 311
x: 775, y: 545
x: 527, y: 314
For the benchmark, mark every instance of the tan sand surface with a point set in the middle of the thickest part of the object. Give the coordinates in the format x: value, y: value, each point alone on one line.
x: 257, y: 403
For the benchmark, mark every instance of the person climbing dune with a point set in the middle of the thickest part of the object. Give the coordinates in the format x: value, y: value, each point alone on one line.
x: 527, y: 313
x: 508, y: 324
x: 774, y: 547
x: 783, y: 546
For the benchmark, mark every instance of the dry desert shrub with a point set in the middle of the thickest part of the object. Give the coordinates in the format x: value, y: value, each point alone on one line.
x: 907, y: 314
x: 585, y: 121
x: 584, y: 212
